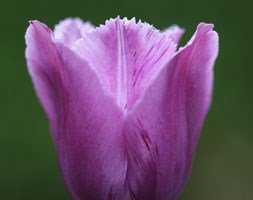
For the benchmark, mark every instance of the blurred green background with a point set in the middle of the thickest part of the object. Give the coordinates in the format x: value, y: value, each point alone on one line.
x: 223, y: 167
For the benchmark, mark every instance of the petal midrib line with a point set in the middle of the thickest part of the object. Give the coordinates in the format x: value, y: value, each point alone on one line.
x: 121, y: 68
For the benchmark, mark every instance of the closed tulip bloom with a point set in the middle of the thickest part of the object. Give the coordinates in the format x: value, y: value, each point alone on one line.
x: 125, y: 105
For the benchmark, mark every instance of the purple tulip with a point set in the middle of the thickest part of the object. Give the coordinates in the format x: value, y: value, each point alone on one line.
x: 125, y: 105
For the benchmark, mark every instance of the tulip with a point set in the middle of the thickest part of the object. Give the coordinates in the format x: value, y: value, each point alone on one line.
x: 125, y: 105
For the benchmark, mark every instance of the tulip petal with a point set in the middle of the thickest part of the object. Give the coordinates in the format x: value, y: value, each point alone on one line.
x: 163, y: 129
x: 91, y: 152
x: 43, y: 67
x: 126, y: 57
x: 70, y: 30
x: 87, y: 123
x: 174, y: 32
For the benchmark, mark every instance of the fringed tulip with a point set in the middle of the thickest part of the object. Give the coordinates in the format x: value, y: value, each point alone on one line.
x: 125, y: 105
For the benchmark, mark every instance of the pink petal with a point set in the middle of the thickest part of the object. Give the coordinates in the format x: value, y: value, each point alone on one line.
x: 71, y: 29
x: 175, y: 33
x: 126, y: 57
x: 162, y: 130
x: 87, y: 123
x: 43, y: 65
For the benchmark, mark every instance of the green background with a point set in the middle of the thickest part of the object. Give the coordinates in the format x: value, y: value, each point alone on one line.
x: 223, y: 167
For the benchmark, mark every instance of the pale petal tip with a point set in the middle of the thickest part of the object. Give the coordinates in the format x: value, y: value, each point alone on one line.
x: 32, y: 25
x: 205, y: 26
x: 125, y: 21
x: 33, y: 21
x: 38, y: 25
x: 174, y: 33
x: 208, y: 28
x: 203, y: 29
